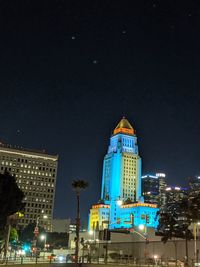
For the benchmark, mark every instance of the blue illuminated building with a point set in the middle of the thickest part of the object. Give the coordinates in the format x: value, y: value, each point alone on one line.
x: 121, y: 185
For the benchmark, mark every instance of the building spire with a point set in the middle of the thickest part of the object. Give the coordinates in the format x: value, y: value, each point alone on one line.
x: 124, y: 126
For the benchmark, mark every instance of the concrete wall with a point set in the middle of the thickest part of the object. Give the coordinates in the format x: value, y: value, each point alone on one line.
x: 66, y: 265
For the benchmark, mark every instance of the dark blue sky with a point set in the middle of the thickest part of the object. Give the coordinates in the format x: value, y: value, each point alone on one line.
x: 71, y: 69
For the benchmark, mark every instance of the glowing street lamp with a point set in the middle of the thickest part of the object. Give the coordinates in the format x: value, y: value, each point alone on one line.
x: 141, y: 227
x: 44, y: 238
x: 119, y: 202
x: 92, y: 233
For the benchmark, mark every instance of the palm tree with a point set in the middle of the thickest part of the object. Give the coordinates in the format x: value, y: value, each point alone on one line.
x: 78, y: 186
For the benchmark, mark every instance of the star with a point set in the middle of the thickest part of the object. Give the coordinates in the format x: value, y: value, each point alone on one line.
x: 124, y: 31
x: 73, y: 37
x: 95, y: 61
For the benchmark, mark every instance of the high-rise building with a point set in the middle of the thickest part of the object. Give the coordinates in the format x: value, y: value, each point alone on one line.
x: 121, y: 203
x: 162, y: 189
x: 122, y: 165
x: 174, y: 194
x: 35, y: 173
x: 61, y: 225
x: 150, y: 188
x: 194, y: 184
x: 153, y: 189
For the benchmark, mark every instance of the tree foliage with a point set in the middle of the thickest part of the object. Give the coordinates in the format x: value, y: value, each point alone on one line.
x: 13, y: 234
x: 10, y: 197
x: 58, y: 240
x: 79, y: 185
x: 175, y: 220
x: 27, y: 235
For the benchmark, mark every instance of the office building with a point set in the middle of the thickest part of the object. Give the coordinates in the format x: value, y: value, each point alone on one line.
x: 154, y: 189
x: 162, y: 190
x: 121, y: 203
x: 150, y: 188
x: 61, y: 225
x: 174, y: 194
x: 35, y: 173
x: 194, y: 184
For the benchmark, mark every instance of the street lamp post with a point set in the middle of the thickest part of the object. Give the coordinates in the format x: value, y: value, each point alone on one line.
x: 93, y: 234
x: 195, y: 240
x: 36, y: 230
x: 44, y: 238
x: 78, y: 186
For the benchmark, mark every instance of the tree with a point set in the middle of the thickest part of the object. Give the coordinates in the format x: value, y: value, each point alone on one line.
x: 10, y: 198
x: 175, y: 221
x: 11, y: 202
x: 58, y: 240
x: 27, y: 235
x: 78, y: 186
x: 13, y: 234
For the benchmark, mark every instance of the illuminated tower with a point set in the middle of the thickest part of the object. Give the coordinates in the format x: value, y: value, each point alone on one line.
x: 121, y: 205
x: 122, y: 165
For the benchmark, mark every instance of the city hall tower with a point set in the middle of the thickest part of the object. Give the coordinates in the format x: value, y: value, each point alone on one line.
x: 122, y: 165
x: 121, y: 205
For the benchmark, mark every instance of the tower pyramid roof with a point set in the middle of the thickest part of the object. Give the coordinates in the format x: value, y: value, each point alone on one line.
x: 124, y: 126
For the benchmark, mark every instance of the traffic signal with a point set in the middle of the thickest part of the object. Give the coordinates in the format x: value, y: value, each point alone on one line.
x: 26, y: 247
x: 147, y: 218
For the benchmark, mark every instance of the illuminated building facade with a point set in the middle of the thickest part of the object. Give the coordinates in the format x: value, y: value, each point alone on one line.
x: 162, y: 190
x: 35, y: 174
x: 122, y: 165
x: 121, y: 184
x: 150, y: 188
x: 174, y: 194
x: 194, y: 185
x: 154, y: 189
x: 99, y: 216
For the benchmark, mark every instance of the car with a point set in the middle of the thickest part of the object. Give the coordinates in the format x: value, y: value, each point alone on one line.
x: 60, y: 258
x: 172, y: 263
x: 70, y: 258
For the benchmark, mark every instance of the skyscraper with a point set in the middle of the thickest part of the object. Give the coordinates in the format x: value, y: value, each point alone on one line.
x: 122, y: 165
x: 150, y: 188
x: 121, y: 204
x: 35, y: 173
x: 162, y: 189
x: 153, y: 189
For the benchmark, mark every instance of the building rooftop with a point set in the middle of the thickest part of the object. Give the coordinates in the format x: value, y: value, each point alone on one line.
x: 124, y: 126
x: 24, y: 151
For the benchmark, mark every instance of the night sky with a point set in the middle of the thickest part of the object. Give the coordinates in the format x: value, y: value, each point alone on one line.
x: 69, y: 71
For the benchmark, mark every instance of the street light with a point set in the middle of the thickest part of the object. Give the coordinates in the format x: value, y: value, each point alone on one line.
x: 196, y: 226
x: 141, y: 227
x: 44, y: 238
x: 92, y: 233
x: 119, y: 202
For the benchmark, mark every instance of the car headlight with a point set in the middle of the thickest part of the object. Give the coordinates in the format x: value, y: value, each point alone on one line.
x: 60, y: 258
